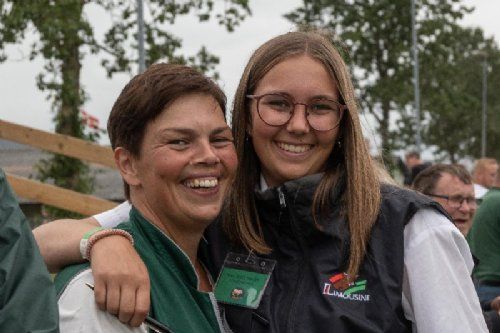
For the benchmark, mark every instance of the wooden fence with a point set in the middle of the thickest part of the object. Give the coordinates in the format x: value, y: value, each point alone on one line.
x: 64, y: 145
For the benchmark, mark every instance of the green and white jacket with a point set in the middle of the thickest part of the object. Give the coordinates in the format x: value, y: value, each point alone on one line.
x: 176, y: 301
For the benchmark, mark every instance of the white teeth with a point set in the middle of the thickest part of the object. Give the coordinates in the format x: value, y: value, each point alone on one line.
x: 206, y: 183
x: 294, y: 148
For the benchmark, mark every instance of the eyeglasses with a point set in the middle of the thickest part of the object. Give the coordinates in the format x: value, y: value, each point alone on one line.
x: 456, y: 201
x: 322, y: 114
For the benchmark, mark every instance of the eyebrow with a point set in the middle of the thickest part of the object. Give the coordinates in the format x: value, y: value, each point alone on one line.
x: 322, y: 96
x: 192, y: 132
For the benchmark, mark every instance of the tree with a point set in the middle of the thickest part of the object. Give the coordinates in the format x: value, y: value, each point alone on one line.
x: 378, y: 34
x: 452, y: 75
x: 64, y: 36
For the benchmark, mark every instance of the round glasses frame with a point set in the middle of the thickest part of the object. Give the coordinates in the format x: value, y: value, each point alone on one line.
x: 341, y: 109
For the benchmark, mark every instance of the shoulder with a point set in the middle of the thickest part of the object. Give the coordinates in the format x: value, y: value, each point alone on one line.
x: 392, y: 194
x: 402, y: 204
x: 438, y: 293
x: 115, y: 216
x: 432, y: 230
x: 491, y: 198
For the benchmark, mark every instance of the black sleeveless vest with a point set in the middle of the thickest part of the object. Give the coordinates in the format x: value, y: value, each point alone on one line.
x: 308, y: 291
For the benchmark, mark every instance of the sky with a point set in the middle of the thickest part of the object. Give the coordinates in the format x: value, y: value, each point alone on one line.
x: 21, y: 102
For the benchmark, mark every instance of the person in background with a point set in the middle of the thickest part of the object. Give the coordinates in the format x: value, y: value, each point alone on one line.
x: 27, y: 297
x: 484, y: 242
x: 176, y: 156
x: 451, y: 186
x: 414, y: 165
x: 484, y: 174
x: 353, y: 254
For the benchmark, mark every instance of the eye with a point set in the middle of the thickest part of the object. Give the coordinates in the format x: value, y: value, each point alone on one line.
x: 178, y: 143
x: 471, y: 201
x: 457, y: 198
x: 322, y: 107
x: 222, y: 141
x: 276, y: 102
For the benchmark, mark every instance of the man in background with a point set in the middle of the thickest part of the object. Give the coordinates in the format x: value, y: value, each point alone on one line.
x: 451, y: 186
x: 484, y: 242
x: 484, y: 174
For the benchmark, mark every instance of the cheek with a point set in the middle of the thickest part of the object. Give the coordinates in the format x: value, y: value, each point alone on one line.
x: 260, y: 130
x: 327, y: 139
x: 167, y: 166
x: 229, y: 159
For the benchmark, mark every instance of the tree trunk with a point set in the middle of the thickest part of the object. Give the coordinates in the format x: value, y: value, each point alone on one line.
x: 68, y: 117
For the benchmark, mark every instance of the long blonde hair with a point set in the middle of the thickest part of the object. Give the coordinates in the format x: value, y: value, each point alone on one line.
x: 361, y: 199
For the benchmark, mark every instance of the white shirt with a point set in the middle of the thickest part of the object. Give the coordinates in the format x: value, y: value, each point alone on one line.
x: 111, y: 218
x: 78, y: 311
x: 479, y: 191
x: 438, y: 293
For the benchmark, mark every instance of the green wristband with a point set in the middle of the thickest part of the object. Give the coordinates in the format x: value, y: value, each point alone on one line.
x: 85, y: 239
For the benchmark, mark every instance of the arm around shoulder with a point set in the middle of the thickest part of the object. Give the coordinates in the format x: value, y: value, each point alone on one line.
x: 59, y: 241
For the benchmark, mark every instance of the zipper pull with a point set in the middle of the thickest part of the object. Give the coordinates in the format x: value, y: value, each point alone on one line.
x: 281, y: 196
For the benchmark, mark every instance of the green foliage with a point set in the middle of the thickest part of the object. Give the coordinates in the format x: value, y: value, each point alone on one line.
x: 64, y: 35
x: 452, y: 91
x: 378, y: 34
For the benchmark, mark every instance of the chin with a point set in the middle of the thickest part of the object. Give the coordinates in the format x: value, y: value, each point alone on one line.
x: 206, y: 216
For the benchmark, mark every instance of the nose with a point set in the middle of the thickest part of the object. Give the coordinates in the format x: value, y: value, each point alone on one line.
x: 298, y: 123
x: 205, y: 154
x: 465, y: 207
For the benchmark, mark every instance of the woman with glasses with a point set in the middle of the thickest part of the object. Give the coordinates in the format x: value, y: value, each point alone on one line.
x: 352, y: 254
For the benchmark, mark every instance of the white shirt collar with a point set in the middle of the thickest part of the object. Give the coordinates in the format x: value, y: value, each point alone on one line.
x: 263, y: 184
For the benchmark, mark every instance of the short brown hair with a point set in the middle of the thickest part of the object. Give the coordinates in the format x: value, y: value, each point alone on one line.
x: 426, y: 180
x: 146, y: 96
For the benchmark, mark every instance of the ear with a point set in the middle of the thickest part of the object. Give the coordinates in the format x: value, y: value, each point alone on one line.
x: 126, y: 164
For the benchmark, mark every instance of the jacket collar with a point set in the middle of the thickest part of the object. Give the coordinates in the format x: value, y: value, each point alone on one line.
x: 299, y: 195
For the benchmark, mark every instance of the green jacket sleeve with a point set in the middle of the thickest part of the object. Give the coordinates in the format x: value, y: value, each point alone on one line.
x: 27, y: 296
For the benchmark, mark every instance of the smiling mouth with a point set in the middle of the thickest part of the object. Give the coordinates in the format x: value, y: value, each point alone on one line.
x: 294, y: 148
x: 210, y: 182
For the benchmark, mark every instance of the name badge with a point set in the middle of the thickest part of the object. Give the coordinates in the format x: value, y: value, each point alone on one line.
x: 243, y: 279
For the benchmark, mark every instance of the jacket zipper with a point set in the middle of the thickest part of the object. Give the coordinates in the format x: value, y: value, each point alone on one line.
x: 292, y: 304
x: 221, y: 321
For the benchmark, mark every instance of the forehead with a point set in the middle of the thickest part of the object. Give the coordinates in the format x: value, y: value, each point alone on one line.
x: 195, y: 111
x: 491, y: 168
x: 298, y: 75
x: 452, y: 185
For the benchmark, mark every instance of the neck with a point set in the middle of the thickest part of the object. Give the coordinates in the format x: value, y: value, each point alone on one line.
x: 186, y: 238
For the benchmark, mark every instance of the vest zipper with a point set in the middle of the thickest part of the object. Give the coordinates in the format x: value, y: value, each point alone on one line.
x: 295, y: 296
x: 281, y: 196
